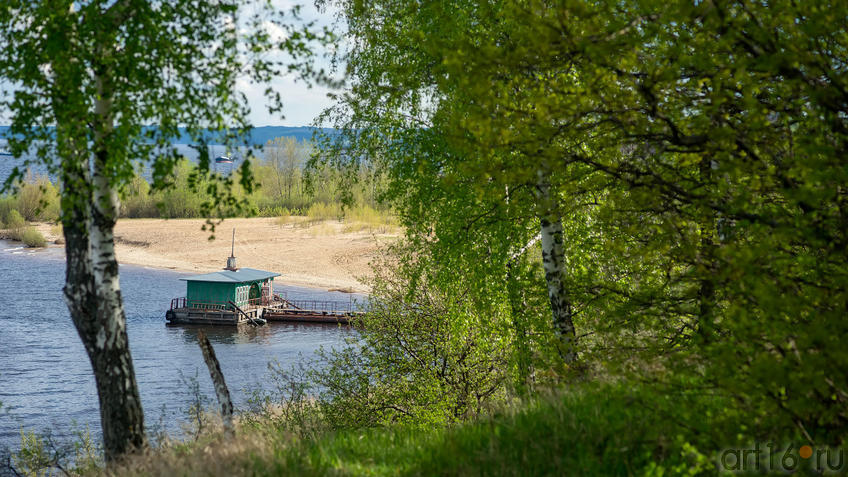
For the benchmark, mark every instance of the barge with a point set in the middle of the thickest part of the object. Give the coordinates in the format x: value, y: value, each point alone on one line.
x: 236, y: 296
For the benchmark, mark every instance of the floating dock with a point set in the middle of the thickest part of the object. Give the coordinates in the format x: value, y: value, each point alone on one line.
x: 312, y: 311
x: 259, y: 312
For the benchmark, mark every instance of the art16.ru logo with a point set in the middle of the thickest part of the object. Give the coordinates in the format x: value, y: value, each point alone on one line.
x: 770, y: 457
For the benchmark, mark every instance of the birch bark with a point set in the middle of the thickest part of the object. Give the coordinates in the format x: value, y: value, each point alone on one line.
x: 553, y: 262
x: 93, y: 290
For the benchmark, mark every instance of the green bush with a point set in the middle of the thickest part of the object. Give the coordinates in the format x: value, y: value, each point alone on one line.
x: 325, y: 211
x: 38, y: 199
x: 7, y: 205
x: 29, y: 235
x: 32, y: 237
x: 136, y: 201
x: 20, y: 231
x: 14, y: 220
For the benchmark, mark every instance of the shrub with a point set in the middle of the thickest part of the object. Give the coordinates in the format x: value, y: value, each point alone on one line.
x: 42, y: 454
x: 14, y: 220
x: 423, y: 355
x: 364, y: 217
x: 38, y: 199
x: 32, y: 237
x: 7, y: 204
x: 324, y: 211
x: 29, y: 235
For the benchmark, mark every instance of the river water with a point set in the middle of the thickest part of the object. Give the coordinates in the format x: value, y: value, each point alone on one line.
x: 8, y: 163
x: 45, y: 376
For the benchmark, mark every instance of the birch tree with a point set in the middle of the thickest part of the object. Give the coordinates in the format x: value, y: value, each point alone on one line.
x: 81, y: 80
x: 436, y: 126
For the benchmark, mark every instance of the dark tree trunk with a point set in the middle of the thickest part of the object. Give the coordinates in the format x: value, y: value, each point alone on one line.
x: 522, y: 347
x: 218, y: 381
x: 707, y: 265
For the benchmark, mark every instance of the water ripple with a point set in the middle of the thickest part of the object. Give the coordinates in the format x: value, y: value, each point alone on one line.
x: 45, y: 375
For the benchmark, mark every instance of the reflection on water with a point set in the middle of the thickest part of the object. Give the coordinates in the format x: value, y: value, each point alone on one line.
x: 45, y: 376
x: 242, y: 334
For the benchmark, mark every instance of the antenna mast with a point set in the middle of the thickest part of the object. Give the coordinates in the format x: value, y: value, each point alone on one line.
x: 231, y: 262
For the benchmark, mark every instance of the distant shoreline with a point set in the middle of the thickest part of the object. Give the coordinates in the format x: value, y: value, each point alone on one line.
x: 320, y: 256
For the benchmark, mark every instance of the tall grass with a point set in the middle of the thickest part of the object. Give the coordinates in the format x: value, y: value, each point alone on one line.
x: 323, y: 211
x: 358, y: 218
x: 612, y: 429
x: 36, y: 199
x: 365, y: 218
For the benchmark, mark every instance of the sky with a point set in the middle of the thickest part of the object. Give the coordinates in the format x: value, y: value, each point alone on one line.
x: 301, y: 103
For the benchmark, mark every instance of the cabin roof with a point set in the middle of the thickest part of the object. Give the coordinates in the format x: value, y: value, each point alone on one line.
x: 228, y: 276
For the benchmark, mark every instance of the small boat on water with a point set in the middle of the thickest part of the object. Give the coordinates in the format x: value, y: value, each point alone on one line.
x: 4, y: 152
x: 223, y: 160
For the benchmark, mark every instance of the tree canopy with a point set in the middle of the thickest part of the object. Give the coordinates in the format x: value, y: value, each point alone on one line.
x: 694, y: 153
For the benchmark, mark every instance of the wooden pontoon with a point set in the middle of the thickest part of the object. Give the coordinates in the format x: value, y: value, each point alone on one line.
x: 312, y: 311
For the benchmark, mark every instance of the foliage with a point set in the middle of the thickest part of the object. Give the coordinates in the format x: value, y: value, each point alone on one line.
x: 33, y: 458
x: 14, y: 220
x: 37, y: 199
x: 428, y: 352
x: 19, y: 230
x: 695, y: 151
x: 40, y: 454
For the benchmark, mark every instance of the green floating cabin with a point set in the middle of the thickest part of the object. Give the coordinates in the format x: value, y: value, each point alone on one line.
x: 246, y: 295
x: 244, y: 286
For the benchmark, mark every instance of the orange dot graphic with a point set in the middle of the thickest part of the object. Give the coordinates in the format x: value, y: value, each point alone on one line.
x: 806, y: 452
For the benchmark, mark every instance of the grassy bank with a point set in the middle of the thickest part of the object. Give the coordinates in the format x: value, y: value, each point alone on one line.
x: 586, y: 430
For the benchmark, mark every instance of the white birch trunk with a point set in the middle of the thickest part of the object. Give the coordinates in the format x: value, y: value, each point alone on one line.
x: 553, y: 261
x: 104, y: 332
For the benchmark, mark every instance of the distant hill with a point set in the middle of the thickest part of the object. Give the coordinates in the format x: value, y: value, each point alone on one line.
x: 260, y: 135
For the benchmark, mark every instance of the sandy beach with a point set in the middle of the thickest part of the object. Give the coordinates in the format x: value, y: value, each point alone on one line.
x: 322, y: 255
